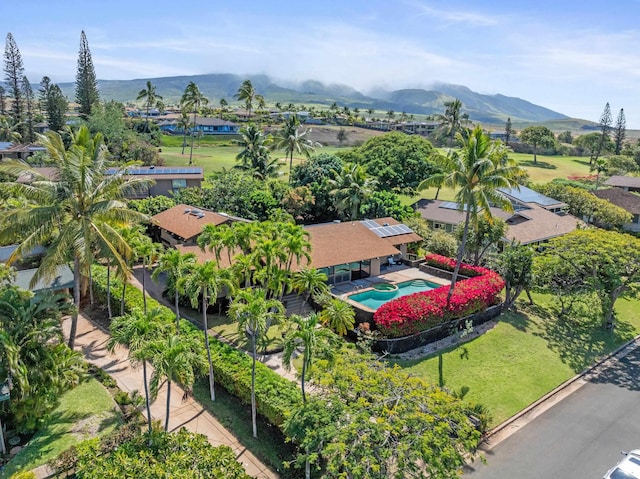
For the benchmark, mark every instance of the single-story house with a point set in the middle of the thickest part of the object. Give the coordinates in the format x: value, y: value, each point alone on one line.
x: 183, y: 223
x: 627, y: 183
x: 536, y: 217
x: 62, y: 281
x: 343, y: 251
x: 167, y: 179
x: 206, y: 126
x: 18, y: 151
x: 625, y: 200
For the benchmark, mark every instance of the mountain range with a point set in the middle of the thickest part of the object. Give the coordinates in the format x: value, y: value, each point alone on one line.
x: 482, y: 108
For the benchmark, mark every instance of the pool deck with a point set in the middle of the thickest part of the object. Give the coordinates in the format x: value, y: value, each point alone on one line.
x: 393, y: 274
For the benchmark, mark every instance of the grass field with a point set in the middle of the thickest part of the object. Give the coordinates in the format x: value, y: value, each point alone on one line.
x: 526, y: 355
x: 83, y: 413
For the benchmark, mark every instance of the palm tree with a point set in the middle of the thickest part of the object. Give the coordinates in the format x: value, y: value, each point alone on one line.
x: 338, y: 316
x: 254, y: 152
x: 601, y: 165
x: 350, y: 188
x: 193, y: 99
x: 148, y: 251
x: 151, y: 98
x: 254, y: 315
x: 10, y: 131
x: 205, y: 281
x: 453, y: 120
x: 175, y: 359
x: 75, y: 215
x: 309, y: 281
x: 133, y: 236
x: 478, y: 169
x: 292, y: 138
x: 135, y: 331
x: 184, y: 123
x: 247, y: 94
x: 176, y: 265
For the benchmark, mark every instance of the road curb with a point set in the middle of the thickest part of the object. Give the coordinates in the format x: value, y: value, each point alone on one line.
x: 516, y: 422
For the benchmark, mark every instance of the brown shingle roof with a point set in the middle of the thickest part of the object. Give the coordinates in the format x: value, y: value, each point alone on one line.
x: 619, y: 197
x: 540, y: 225
x: 624, y: 181
x: 438, y: 211
x: 204, y: 256
x: 185, y: 224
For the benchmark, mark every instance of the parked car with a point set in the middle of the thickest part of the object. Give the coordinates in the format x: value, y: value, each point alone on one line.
x: 627, y: 468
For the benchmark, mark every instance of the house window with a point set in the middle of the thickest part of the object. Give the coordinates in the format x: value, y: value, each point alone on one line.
x: 177, y: 184
x: 439, y: 226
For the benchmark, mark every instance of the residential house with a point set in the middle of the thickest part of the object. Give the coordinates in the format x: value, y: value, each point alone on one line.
x: 18, y: 151
x: 205, y: 126
x: 627, y: 183
x: 166, y: 180
x: 182, y: 224
x: 536, y: 218
x: 625, y: 200
x: 61, y: 281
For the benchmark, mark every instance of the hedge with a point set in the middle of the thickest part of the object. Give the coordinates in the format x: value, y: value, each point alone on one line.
x: 421, y: 311
x: 276, y: 397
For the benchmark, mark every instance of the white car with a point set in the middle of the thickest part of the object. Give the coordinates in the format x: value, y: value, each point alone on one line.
x: 627, y: 468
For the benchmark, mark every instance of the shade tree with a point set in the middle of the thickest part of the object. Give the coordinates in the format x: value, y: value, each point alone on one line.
x: 537, y: 137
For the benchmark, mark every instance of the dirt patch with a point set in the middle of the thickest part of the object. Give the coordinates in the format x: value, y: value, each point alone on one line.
x: 327, y: 135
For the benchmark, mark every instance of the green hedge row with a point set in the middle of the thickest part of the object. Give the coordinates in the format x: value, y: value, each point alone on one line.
x: 276, y: 397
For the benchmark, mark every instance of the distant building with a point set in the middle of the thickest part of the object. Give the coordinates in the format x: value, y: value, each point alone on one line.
x: 167, y: 180
x: 626, y: 200
x: 18, y: 151
x: 206, y: 126
x: 627, y: 183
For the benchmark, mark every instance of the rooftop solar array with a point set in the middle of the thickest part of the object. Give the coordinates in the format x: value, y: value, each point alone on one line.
x: 386, y: 231
x: 157, y: 171
x: 527, y: 195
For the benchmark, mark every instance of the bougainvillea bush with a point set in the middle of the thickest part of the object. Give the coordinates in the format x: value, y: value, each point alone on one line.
x: 421, y: 311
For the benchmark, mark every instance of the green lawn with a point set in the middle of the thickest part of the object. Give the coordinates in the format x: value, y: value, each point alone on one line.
x: 84, y: 412
x: 526, y: 355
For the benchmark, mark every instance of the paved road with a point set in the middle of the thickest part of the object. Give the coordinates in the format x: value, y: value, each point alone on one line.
x: 580, y: 437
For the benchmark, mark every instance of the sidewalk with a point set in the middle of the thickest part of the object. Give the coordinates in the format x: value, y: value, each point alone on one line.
x: 91, y: 341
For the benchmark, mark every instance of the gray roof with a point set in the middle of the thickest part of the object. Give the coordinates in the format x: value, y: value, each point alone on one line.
x: 63, y: 280
x: 624, y: 181
x: 7, y: 251
x: 527, y: 195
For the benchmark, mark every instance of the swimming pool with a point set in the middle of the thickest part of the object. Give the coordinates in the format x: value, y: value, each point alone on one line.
x: 384, y: 292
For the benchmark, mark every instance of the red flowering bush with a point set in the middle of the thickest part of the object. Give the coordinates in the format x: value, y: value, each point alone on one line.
x: 420, y: 311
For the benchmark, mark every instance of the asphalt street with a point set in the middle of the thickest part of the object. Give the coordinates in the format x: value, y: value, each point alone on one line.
x: 580, y: 437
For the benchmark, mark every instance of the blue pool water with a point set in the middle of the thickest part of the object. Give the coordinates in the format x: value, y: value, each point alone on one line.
x: 373, y: 299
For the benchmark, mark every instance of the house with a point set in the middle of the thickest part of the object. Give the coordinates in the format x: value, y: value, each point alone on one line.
x: 182, y: 224
x: 627, y: 183
x: 343, y: 251
x: 627, y: 201
x: 61, y: 282
x: 536, y: 218
x: 18, y: 151
x: 205, y: 126
x: 166, y: 180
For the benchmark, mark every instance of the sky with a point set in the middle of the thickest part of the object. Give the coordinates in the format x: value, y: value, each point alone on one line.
x: 567, y: 55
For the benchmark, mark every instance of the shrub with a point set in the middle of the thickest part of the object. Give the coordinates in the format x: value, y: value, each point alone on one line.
x: 421, y: 311
x: 24, y: 475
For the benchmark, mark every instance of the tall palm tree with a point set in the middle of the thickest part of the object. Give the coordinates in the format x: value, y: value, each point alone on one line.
x: 350, y: 188
x: 193, y: 99
x: 204, y: 282
x: 148, y: 252
x: 292, y: 138
x: 254, y: 152
x: 453, y: 120
x: 9, y: 131
x: 254, y: 315
x: 183, y: 123
x: 339, y: 316
x: 247, y: 94
x: 175, y: 359
x: 151, y: 99
x: 309, y: 281
x: 133, y: 236
x: 478, y: 169
x: 295, y: 242
x: 136, y: 331
x: 177, y: 266
x: 75, y: 215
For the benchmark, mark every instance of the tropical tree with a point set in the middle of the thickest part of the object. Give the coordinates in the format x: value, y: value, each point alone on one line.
x: 600, y: 165
x: 339, y: 316
x: 478, y: 169
x: 14, y: 71
x: 133, y: 235
x: 86, y: 82
x: 175, y: 359
x: 619, y: 132
x: 254, y: 153
x: 177, y: 266
x: 151, y: 99
x: 254, y: 315
x: 312, y: 339
x: 148, y: 251
x: 537, y: 136
x: 9, y: 131
x: 350, y: 188
x: 183, y: 123
x: 136, y: 331
x: 193, y: 99
x: 309, y: 281
x: 247, y: 94
x: 452, y: 121
x: 292, y: 138
x: 76, y: 215
x: 205, y: 281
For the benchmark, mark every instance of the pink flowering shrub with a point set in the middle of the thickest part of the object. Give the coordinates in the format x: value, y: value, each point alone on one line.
x: 420, y: 311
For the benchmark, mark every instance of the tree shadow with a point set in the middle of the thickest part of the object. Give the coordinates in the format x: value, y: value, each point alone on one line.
x: 539, y: 164
x: 623, y: 372
x: 518, y: 319
x: 578, y: 336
